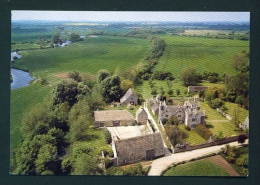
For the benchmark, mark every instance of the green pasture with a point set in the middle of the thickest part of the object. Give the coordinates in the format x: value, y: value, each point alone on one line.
x: 88, y: 56
x: 203, y: 167
x: 205, y: 54
x: 22, y: 101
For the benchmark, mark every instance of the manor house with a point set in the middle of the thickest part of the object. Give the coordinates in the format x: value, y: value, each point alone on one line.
x: 189, y: 114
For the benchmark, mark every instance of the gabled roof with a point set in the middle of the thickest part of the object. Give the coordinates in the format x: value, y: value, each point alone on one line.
x: 129, y: 93
x: 113, y: 115
x: 141, y: 109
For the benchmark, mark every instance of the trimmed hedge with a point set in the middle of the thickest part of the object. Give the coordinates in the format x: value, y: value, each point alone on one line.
x: 203, y: 131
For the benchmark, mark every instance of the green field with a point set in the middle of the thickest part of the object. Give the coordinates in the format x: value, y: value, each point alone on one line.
x: 214, y: 55
x: 203, y: 167
x: 22, y: 101
x: 89, y: 56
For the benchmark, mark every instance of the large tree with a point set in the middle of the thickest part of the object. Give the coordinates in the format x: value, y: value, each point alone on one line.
x: 55, y: 38
x: 188, y: 76
x: 110, y: 88
x: 102, y: 74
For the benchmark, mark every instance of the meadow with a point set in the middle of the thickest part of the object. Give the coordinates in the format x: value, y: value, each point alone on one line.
x: 205, y: 54
x: 88, y: 56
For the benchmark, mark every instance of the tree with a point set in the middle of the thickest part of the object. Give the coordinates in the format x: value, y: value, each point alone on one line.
x: 102, y: 74
x: 178, y: 92
x: 189, y: 76
x: 75, y: 76
x: 173, y: 120
x: 235, y: 119
x: 74, y: 37
x: 107, y: 136
x: 126, y: 84
x: 241, y: 139
x: 55, y: 38
x: 68, y: 90
x: 174, y: 134
x: 110, y: 88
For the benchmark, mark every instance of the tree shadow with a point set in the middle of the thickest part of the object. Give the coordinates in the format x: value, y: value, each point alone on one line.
x: 209, y: 126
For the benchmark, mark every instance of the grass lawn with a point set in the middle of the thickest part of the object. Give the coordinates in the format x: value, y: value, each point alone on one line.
x: 22, y: 101
x: 97, y: 143
x: 88, y: 56
x: 203, y: 167
x: 206, y: 54
x: 194, y: 138
x: 217, y: 122
x: 242, y: 113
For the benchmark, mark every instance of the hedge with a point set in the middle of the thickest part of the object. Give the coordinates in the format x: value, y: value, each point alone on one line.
x: 203, y: 131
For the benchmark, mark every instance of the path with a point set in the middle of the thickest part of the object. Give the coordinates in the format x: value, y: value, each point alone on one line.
x: 224, y: 164
x: 160, y: 164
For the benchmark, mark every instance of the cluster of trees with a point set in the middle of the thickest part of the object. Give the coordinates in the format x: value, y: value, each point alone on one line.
x: 75, y: 37
x: 238, y: 157
x: 231, y: 36
x: 212, y: 77
x: 174, y: 133
x: 56, y: 126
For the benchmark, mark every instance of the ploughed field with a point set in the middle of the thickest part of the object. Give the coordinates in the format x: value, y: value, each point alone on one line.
x: 88, y: 56
x: 204, y: 54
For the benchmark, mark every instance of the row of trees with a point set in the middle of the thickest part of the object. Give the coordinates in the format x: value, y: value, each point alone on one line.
x: 56, y: 127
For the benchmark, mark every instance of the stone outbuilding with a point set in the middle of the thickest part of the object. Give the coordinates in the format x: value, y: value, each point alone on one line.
x: 129, y: 98
x: 113, y: 118
x: 133, y: 144
x: 197, y: 88
x: 141, y: 116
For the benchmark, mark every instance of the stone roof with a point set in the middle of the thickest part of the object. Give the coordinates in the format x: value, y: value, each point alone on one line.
x: 112, y: 115
x: 197, y: 88
x: 127, y: 94
x: 155, y: 106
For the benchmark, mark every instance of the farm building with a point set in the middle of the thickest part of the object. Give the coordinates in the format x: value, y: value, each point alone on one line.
x: 197, y: 88
x: 141, y: 116
x: 112, y: 118
x: 129, y: 98
x: 135, y: 143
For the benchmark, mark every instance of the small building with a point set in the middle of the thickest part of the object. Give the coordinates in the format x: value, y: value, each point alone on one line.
x: 82, y: 37
x: 133, y: 144
x: 113, y: 118
x: 141, y: 116
x: 129, y: 98
x: 197, y: 88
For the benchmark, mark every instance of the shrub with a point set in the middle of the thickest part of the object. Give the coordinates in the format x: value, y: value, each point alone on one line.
x: 203, y: 131
x: 170, y: 92
x: 187, y: 128
x: 107, y: 136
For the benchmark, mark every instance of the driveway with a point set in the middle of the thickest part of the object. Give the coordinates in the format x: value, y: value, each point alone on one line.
x: 160, y: 164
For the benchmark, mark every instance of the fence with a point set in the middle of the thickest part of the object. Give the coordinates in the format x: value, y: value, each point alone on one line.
x: 214, y: 143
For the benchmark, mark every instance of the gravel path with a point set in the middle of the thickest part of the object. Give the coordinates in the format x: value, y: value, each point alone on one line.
x: 160, y: 164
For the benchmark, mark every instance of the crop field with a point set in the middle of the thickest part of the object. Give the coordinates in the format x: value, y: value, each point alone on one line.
x: 88, y: 56
x: 205, y: 54
x: 212, y: 32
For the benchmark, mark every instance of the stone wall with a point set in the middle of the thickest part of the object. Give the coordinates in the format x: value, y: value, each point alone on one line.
x: 135, y: 149
x: 214, y: 143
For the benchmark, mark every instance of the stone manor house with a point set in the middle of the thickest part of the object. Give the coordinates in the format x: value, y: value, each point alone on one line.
x: 189, y: 113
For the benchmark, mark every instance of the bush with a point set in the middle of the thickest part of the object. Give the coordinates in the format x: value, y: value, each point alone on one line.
x: 203, y: 131
x: 170, y: 92
x: 153, y: 92
x: 107, y: 136
x: 187, y: 128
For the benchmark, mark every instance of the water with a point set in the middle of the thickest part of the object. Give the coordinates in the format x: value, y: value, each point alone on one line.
x: 20, y: 78
x: 15, y: 54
